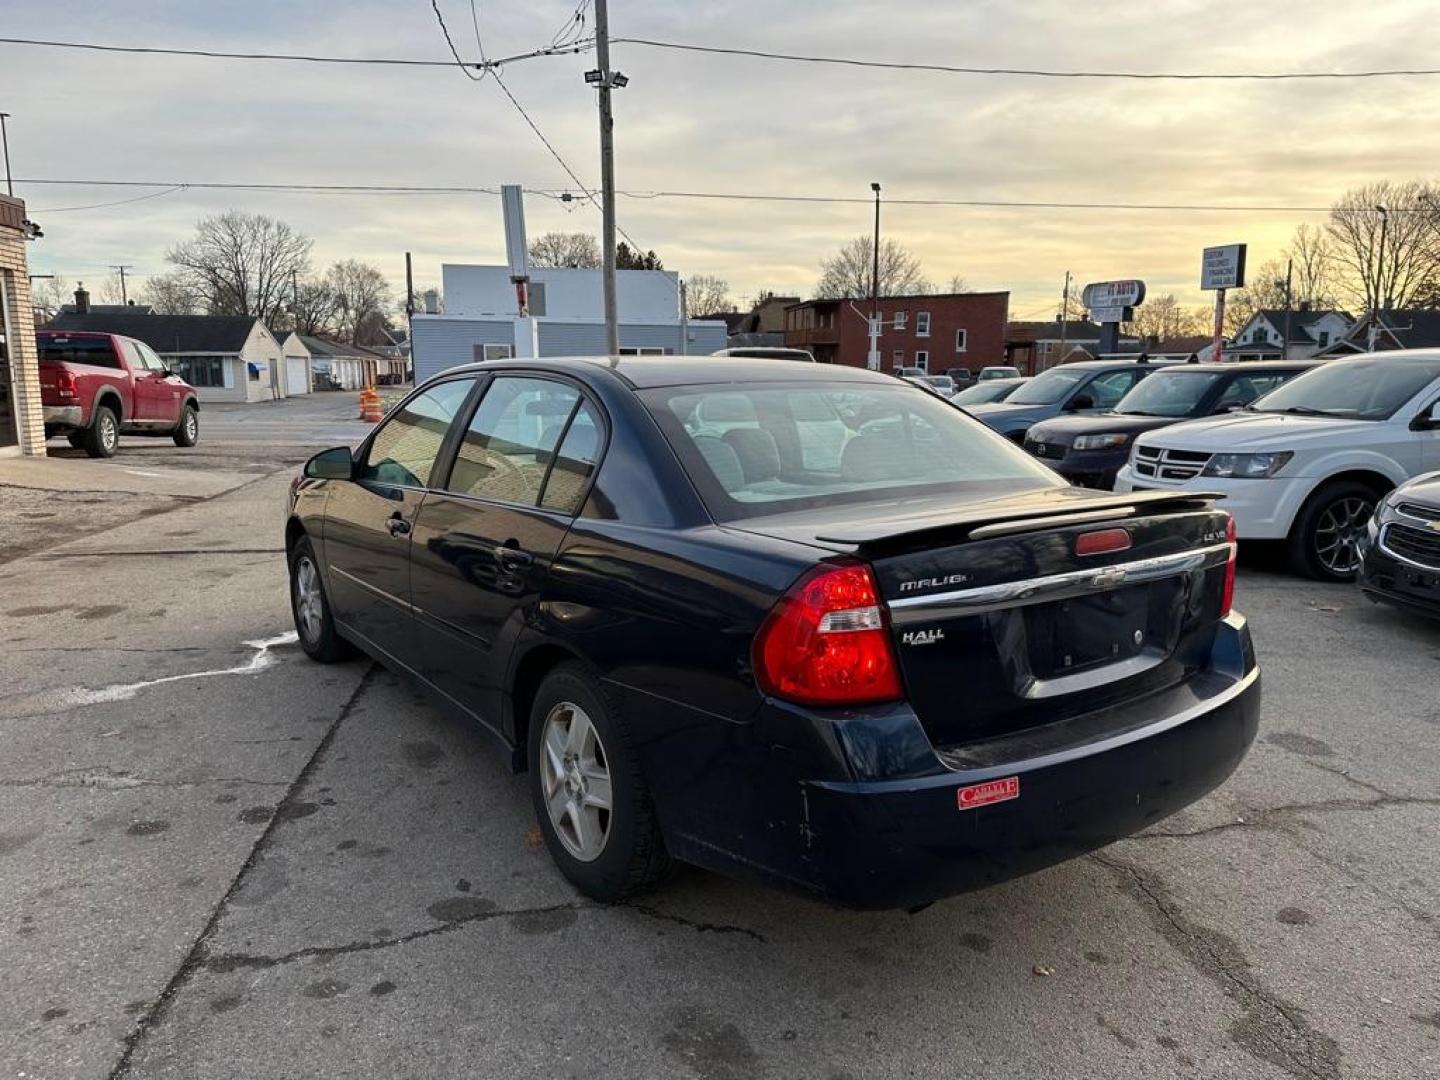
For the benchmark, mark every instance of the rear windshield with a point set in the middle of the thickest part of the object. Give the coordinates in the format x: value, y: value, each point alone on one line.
x: 1352, y: 390
x: 95, y: 351
x: 762, y: 450
x: 1049, y: 388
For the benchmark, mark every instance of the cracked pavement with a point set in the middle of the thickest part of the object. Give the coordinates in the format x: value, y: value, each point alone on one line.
x: 305, y: 871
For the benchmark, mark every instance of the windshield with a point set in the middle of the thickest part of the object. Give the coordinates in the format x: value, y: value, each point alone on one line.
x: 1352, y: 390
x: 980, y: 393
x: 1168, y: 393
x: 1049, y: 388
x: 761, y: 449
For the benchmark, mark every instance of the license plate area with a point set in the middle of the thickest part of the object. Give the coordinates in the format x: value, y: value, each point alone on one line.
x: 1085, y: 633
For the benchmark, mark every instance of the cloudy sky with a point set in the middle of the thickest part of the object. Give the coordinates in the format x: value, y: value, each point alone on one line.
x: 726, y: 124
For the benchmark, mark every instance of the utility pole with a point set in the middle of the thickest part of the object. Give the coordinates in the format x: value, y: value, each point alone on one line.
x: 606, y: 80
x: 1378, y: 298
x: 1285, y: 342
x: 295, y: 294
x: 873, y: 360
x: 1064, y: 318
x: 120, y: 269
x: 684, y: 318
x: 5, y: 142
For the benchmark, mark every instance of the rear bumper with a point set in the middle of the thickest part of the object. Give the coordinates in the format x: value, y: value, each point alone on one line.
x: 899, y: 838
x: 62, y: 416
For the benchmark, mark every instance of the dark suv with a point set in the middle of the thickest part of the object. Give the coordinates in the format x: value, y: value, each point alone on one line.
x: 1086, y: 387
x: 1090, y: 450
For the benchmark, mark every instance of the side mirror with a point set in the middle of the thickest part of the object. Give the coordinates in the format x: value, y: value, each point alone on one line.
x: 1428, y: 419
x: 337, y: 463
x: 1079, y: 402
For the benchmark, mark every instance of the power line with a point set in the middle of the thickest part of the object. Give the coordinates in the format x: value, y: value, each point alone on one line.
x: 565, y: 194
x: 105, y: 205
x: 1039, y: 73
x: 451, y: 43
x: 215, y: 54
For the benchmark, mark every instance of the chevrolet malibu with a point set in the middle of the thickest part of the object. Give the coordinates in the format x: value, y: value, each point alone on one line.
x: 720, y: 613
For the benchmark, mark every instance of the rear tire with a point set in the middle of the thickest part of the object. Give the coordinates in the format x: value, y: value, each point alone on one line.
x: 187, y: 432
x: 103, y: 435
x: 310, y: 607
x: 1324, y: 541
x: 580, y: 757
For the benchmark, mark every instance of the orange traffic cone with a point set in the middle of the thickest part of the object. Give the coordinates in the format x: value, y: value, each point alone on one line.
x: 370, y: 410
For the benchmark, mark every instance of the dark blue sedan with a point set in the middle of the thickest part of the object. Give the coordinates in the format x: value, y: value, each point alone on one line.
x: 813, y: 627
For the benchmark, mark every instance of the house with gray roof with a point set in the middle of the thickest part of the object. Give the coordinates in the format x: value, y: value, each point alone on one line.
x: 1396, y: 328
x: 1311, y: 330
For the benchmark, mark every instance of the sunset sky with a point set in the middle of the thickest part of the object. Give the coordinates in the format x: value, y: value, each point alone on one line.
x: 727, y: 124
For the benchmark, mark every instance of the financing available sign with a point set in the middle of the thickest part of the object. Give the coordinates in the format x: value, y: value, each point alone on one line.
x: 1223, y: 267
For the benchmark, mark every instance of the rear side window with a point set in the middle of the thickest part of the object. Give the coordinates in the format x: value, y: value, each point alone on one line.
x: 95, y: 351
x: 405, y: 447
x: 575, y: 462
x: 506, y: 450
x: 766, y: 449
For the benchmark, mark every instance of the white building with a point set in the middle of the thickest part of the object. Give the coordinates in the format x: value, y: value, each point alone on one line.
x: 564, y: 317
x: 1311, y: 331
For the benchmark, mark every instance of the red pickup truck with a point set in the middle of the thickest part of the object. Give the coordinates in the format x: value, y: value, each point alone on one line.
x: 96, y: 386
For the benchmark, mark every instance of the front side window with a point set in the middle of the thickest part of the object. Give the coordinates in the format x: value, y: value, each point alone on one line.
x: 1106, y: 390
x: 152, y: 360
x: 506, y: 450
x: 833, y: 444
x: 922, y: 324
x: 407, y: 443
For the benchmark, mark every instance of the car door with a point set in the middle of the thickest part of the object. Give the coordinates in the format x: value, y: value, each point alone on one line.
x: 483, y: 545
x: 369, y: 519
x: 147, y: 382
x: 169, y: 390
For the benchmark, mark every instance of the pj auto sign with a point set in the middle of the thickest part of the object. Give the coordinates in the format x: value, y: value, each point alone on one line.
x: 1113, y: 294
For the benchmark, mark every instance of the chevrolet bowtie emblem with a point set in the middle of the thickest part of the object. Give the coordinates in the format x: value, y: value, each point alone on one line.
x: 1104, y: 579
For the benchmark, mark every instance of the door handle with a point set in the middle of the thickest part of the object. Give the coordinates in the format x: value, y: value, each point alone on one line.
x: 397, y: 525
x: 512, y: 558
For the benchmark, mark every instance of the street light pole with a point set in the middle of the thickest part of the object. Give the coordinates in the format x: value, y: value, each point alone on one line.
x: 1285, y: 344
x: 5, y: 142
x: 873, y: 361
x: 607, y: 178
x: 1378, y: 298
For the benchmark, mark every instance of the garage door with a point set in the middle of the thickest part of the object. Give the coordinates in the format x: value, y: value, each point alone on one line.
x: 297, y: 375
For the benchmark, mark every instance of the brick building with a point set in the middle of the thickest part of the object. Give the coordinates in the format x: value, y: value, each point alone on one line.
x: 22, y: 419
x: 936, y: 332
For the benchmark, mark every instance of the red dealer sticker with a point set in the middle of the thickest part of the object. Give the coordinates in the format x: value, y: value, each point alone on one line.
x: 992, y: 791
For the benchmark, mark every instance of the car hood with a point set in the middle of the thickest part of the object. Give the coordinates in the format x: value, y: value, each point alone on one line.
x: 1424, y: 490
x: 1004, y: 416
x: 1262, y: 431
x: 1064, y: 429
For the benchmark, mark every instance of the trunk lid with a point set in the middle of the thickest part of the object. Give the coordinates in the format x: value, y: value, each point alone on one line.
x: 1000, y: 625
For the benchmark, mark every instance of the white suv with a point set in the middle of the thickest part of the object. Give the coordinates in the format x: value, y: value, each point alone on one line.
x: 1307, y: 462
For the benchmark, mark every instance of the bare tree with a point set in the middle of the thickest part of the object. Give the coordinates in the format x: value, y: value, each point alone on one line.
x: 1264, y: 290
x: 1162, y: 317
x: 956, y: 284
x: 706, y: 294
x: 241, y: 264
x: 169, y: 294
x: 1408, y: 267
x: 48, y: 294
x: 847, y: 273
x: 362, y: 296
x: 313, y: 313
x: 110, y: 291
x: 1313, y: 258
x: 574, y: 249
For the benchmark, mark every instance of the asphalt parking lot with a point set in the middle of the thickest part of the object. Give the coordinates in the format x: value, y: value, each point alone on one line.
x: 217, y: 859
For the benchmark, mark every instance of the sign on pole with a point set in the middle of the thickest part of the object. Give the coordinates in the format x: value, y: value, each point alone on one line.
x: 1104, y: 295
x: 1112, y: 314
x: 1223, y: 267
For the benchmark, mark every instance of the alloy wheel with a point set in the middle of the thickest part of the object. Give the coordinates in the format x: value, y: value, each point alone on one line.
x: 108, y: 434
x: 1338, y: 533
x: 309, y: 603
x: 192, y: 425
x: 575, y: 772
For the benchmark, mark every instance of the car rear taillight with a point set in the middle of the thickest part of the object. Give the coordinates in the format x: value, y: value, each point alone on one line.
x: 64, y: 383
x: 827, y: 643
x: 1227, y: 598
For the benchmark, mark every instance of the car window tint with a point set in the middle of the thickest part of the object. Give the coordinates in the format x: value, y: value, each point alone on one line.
x: 506, y: 450
x: 133, y: 356
x: 821, y: 446
x: 1107, y: 390
x: 152, y: 359
x: 94, y: 351
x: 406, y: 445
x: 575, y: 461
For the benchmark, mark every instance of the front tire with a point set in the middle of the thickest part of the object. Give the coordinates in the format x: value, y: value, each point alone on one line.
x: 590, y: 795
x: 103, y: 435
x: 187, y: 432
x: 310, y: 607
x: 1325, y: 539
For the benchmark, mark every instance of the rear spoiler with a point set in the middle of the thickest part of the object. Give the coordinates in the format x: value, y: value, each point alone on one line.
x: 979, y: 524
